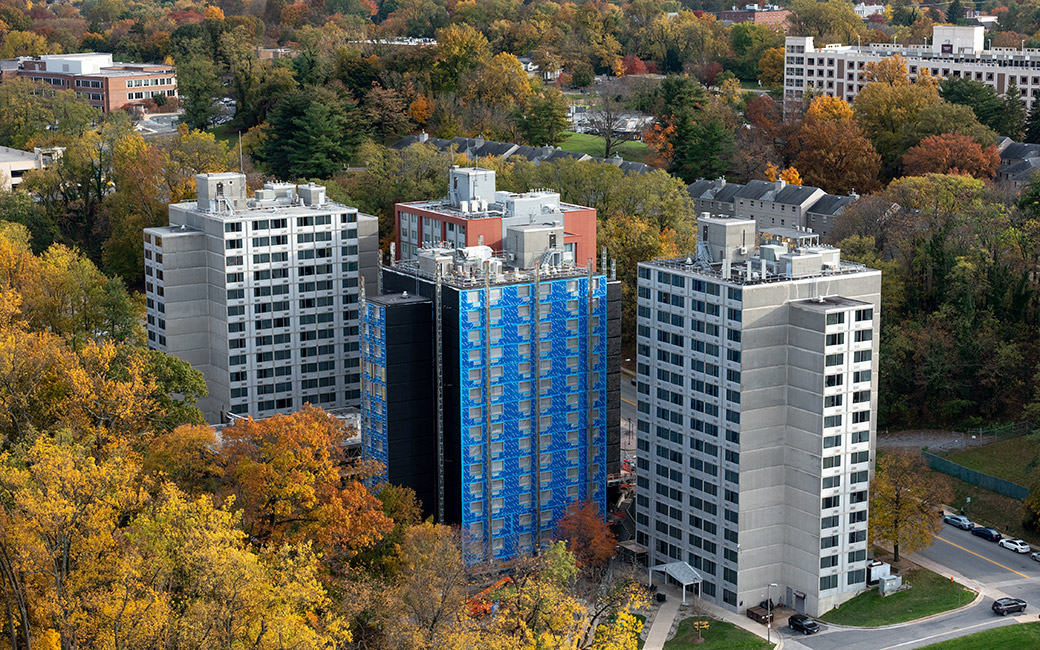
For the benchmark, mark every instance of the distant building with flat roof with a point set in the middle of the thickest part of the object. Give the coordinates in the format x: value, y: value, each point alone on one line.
x: 106, y: 84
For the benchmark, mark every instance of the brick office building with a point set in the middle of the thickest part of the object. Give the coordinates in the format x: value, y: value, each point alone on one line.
x: 106, y: 84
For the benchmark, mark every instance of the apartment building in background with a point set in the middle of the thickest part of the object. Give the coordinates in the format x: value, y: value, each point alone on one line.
x: 759, y: 15
x: 475, y: 214
x: 772, y: 204
x: 756, y: 383
x: 492, y: 385
x: 108, y: 85
x: 840, y: 70
x: 261, y: 294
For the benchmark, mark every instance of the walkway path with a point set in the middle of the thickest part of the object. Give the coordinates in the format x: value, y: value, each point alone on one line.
x: 664, y: 620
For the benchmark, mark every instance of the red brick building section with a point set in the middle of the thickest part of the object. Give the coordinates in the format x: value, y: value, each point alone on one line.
x: 95, y: 77
x: 465, y: 222
x: 768, y: 15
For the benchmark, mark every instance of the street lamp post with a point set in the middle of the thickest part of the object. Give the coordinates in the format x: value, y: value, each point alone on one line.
x: 769, y: 617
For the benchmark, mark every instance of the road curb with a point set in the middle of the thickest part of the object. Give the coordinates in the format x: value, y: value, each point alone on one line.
x: 894, y: 626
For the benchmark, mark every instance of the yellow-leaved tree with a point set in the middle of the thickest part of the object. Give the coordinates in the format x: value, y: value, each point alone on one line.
x: 905, y: 498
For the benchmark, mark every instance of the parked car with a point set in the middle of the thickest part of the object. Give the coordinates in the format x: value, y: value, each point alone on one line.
x: 1035, y: 556
x: 960, y: 521
x: 1016, y: 545
x: 986, y: 533
x: 1005, y: 605
x: 804, y: 624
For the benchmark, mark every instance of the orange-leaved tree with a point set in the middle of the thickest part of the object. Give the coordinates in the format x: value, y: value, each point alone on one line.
x: 587, y: 535
x: 289, y: 475
x: 837, y: 157
x: 951, y: 153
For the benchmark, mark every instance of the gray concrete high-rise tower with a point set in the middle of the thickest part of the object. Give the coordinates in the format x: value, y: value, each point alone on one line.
x: 757, y: 376
x: 261, y: 294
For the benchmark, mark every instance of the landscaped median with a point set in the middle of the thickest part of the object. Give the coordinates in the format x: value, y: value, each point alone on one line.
x: 718, y: 635
x: 1023, y: 635
x: 929, y: 594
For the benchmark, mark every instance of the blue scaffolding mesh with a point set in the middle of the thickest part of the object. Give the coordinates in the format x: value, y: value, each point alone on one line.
x: 569, y: 351
x: 374, y: 443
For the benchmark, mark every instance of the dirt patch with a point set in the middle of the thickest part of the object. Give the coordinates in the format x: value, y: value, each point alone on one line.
x: 933, y: 439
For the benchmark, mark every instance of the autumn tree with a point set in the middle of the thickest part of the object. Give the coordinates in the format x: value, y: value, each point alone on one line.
x: 433, y: 587
x: 888, y: 104
x: 287, y: 473
x: 829, y: 21
x: 542, y: 608
x: 587, y: 535
x: 837, y: 157
x: 460, y: 48
x: 59, y: 509
x: 905, y: 498
x: 771, y: 67
x: 826, y: 107
x: 951, y: 153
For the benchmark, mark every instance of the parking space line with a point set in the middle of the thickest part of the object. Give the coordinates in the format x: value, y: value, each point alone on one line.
x: 982, y: 556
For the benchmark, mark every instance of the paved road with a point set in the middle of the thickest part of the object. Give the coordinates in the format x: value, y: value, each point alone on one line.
x: 982, y: 565
x: 999, y: 571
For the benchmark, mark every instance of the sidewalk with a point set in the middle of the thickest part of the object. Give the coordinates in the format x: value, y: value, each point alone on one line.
x: 665, y: 618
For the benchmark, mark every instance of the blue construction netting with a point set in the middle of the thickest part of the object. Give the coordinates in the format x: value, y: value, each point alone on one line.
x: 374, y: 443
x: 572, y: 355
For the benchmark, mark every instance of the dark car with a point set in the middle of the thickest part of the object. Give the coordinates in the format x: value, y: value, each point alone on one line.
x: 986, y: 533
x: 804, y: 624
x: 1005, y: 605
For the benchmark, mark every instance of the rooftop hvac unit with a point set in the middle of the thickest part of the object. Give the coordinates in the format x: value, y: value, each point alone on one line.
x: 464, y: 206
x: 742, y: 250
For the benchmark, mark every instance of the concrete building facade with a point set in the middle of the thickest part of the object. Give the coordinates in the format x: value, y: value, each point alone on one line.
x: 757, y: 375
x: 840, y: 70
x: 108, y: 85
x: 475, y: 214
x: 526, y: 387
x: 15, y: 162
x: 261, y: 294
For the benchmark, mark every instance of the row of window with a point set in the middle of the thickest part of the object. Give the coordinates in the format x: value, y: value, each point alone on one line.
x: 856, y: 577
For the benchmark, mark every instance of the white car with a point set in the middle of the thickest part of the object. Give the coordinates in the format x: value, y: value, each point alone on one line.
x: 1015, y: 545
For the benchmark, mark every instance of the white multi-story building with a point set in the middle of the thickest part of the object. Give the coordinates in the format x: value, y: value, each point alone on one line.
x: 839, y: 70
x: 757, y: 370
x: 261, y: 294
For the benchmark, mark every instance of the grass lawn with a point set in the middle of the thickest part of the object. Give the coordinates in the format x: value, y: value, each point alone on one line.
x: 719, y: 636
x: 224, y: 133
x: 929, y: 594
x: 1015, y: 459
x: 1007, y: 637
x: 633, y: 150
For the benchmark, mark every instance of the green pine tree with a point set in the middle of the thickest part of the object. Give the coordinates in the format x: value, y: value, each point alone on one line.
x: 545, y: 119
x: 1013, y: 120
x: 1033, y: 124
x: 955, y: 13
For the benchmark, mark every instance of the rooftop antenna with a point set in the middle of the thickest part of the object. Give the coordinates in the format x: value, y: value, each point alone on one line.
x: 240, y: 165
